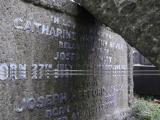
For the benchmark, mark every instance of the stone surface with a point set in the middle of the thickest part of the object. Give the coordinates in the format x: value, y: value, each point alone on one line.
x: 66, y: 6
x: 136, y: 20
x: 61, y: 67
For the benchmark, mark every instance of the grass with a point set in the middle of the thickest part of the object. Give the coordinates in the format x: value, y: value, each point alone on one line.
x: 146, y: 110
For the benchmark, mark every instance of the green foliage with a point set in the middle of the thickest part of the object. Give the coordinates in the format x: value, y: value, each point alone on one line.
x: 144, y: 110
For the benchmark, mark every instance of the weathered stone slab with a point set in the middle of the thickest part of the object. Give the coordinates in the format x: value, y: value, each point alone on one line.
x: 67, y: 6
x: 136, y: 20
x: 61, y: 67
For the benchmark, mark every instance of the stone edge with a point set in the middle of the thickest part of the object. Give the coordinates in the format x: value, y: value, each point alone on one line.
x: 64, y: 6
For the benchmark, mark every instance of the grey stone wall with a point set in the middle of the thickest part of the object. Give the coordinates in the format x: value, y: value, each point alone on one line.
x: 60, y: 65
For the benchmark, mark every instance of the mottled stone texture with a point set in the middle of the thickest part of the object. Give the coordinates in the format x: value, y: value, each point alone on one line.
x: 136, y: 20
x: 76, y: 68
x: 66, y: 6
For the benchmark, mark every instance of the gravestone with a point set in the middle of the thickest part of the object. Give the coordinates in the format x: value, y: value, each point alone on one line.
x: 59, y: 63
x: 138, y: 24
